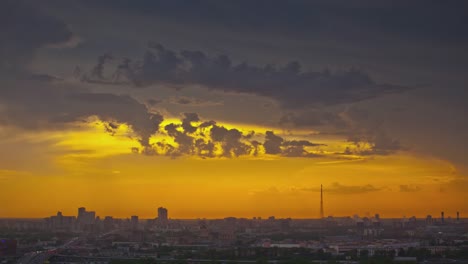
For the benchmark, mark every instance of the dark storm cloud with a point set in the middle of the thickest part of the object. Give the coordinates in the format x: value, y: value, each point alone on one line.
x: 275, y: 144
x: 187, y: 122
x: 272, y: 143
x: 183, y: 101
x: 289, y: 84
x: 23, y: 30
x: 184, y: 141
x: 301, y: 143
x: 44, y: 78
x: 403, y: 42
x: 111, y: 127
x: 230, y: 140
x: 205, y: 148
x: 388, y: 35
x: 255, y: 145
x: 419, y: 19
x: 111, y: 107
x: 98, y: 70
x: 42, y: 105
x: 42, y: 101
x: 312, y: 118
x: 190, y: 101
x: 153, y: 101
x: 363, y: 129
x: 207, y: 139
x: 188, y: 141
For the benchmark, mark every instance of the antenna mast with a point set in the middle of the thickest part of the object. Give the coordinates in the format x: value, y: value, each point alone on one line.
x: 321, y: 202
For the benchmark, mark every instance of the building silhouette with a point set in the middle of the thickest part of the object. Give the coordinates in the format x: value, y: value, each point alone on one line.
x: 60, y: 221
x: 162, y: 214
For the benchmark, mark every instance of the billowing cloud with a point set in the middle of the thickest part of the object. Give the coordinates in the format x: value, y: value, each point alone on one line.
x: 361, y: 128
x: 184, y: 141
x: 43, y: 101
x: 187, y: 122
x: 194, y: 137
x: 368, y: 134
x: 42, y: 105
x: 289, y: 84
x: 111, y: 107
x: 272, y: 143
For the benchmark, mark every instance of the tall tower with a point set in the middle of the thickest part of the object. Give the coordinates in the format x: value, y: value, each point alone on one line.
x: 321, y: 202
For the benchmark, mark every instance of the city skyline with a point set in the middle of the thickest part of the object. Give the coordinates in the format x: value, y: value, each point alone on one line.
x: 233, y: 108
x: 162, y: 215
x: 441, y: 217
x: 350, y: 240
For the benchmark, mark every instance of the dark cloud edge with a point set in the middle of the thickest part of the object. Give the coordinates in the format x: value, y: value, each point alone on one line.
x: 289, y: 84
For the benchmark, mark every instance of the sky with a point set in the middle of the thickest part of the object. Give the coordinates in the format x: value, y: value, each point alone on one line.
x: 233, y: 108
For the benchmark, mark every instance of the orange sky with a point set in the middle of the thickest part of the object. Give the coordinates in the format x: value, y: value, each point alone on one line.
x: 64, y: 170
x: 144, y: 105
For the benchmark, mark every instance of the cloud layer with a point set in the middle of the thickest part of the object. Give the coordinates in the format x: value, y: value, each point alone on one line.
x: 23, y: 30
x: 206, y: 139
x: 290, y: 84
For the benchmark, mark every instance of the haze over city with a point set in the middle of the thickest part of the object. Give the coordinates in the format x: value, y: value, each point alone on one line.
x: 233, y: 108
x: 233, y: 131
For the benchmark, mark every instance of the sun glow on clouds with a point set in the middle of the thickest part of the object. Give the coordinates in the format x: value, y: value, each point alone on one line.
x: 100, y: 171
x: 82, y: 127
x: 93, y: 138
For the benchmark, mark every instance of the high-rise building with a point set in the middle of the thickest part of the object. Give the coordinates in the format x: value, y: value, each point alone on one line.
x: 458, y: 216
x: 60, y: 221
x: 91, y: 217
x: 321, y: 202
x: 81, y: 212
x: 108, y: 223
x: 85, y: 217
x: 162, y: 214
x: 442, y: 219
x: 429, y: 220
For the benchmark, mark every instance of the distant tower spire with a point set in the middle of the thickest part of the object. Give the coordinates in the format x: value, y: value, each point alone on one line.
x: 321, y: 202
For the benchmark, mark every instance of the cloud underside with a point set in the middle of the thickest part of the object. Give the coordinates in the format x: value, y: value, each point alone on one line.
x: 63, y: 105
x: 23, y: 30
x: 288, y: 84
x: 41, y: 101
x: 206, y: 139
